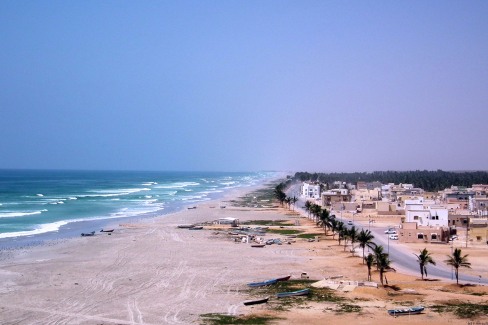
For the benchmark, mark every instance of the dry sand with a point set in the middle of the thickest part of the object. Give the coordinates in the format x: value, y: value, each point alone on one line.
x: 155, y: 273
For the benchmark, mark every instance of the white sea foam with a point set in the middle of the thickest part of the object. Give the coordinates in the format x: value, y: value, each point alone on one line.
x: 149, y: 183
x: 178, y: 185
x: 40, y: 230
x: 19, y: 214
x: 111, y: 193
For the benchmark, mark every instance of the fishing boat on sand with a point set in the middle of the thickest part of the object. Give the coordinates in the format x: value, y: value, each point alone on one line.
x: 86, y: 234
x: 256, y: 301
x: 185, y: 226
x: 106, y: 230
x: 262, y: 283
x: 258, y: 245
x: 406, y: 311
x: 284, y: 278
x: 302, y: 292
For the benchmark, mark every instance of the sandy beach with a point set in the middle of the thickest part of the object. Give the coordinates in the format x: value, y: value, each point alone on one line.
x: 152, y: 272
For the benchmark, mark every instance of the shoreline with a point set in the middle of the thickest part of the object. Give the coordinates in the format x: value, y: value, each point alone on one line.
x: 73, y: 229
x: 152, y: 272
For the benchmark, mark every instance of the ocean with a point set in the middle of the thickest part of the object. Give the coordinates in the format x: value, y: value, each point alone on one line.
x: 36, y: 205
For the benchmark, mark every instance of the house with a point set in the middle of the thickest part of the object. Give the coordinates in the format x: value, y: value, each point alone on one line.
x: 310, y: 190
x: 426, y: 213
x: 410, y: 232
x: 335, y: 195
x: 478, y: 232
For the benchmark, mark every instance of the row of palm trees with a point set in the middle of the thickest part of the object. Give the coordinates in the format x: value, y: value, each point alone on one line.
x: 456, y: 260
x: 280, y: 195
x: 364, y: 238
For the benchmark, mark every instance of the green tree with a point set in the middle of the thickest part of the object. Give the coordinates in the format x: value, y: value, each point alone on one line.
x: 424, y: 258
x: 333, y: 226
x: 457, y: 261
x: 383, y: 263
x: 353, y: 237
x: 308, y: 207
x: 340, y: 231
x: 324, y: 220
x: 369, y: 263
x: 365, y: 237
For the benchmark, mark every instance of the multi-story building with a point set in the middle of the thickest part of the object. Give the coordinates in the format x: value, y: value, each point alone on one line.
x: 310, y: 190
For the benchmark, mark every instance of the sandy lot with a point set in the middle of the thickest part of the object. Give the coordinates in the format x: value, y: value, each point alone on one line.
x: 153, y: 272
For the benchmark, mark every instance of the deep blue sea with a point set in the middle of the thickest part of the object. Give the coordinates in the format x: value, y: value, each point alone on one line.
x: 36, y: 203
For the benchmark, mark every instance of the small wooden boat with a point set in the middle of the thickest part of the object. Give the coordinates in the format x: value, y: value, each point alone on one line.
x: 196, y: 228
x: 106, y: 230
x: 86, y: 234
x: 256, y: 301
x: 185, y: 226
x: 302, y: 292
x: 284, y: 278
x: 191, y: 208
x: 262, y: 283
x: 258, y: 245
x: 406, y: 311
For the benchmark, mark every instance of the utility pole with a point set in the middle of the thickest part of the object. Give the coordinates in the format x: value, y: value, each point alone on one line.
x: 467, y: 227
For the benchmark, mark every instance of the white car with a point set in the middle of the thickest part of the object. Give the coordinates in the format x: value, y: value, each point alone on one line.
x: 394, y: 237
x: 391, y: 232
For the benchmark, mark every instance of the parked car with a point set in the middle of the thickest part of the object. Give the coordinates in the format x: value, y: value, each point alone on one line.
x: 349, y: 223
x: 453, y: 237
x: 394, y: 237
x: 390, y: 231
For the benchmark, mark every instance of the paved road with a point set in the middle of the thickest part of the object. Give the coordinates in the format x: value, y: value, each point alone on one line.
x: 403, y: 258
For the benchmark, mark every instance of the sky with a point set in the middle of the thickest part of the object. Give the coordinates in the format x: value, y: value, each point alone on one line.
x: 318, y: 86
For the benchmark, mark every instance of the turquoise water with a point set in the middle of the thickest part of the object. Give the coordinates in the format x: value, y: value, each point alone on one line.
x: 39, y: 202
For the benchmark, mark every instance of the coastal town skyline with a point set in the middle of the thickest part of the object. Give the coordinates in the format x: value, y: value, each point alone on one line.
x: 243, y: 86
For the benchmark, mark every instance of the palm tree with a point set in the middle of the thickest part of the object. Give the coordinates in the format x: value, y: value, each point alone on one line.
x: 316, y: 210
x: 324, y: 220
x: 364, y: 238
x: 424, y: 258
x: 288, y: 201
x: 383, y: 263
x: 353, y: 236
x: 294, y: 200
x: 456, y: 260
x: 345, y: 236
x: 340, y: 231
x: 333, y: 226
x: 369, y: 263
x: 378, y: 250
x: 279, y: 194
x: 308, y: 207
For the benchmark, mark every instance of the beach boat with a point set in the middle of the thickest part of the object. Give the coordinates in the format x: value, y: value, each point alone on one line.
x: 106, y: 230
x: 196, y: 228
x: 86, y: 234
x: 284, y: 278
x: 262, y: 283
x: 258, y: 245
x: 185, y: 226
x: 406, y: 311
x: 256, y: 301
x: 191, y: 208
x: 302, y: 292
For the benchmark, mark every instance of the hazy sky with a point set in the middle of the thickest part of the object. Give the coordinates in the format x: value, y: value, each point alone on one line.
x: 244, y: 85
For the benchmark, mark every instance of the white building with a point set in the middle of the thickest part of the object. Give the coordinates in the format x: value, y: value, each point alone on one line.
x: 311, y: 191
x: 426, y: 213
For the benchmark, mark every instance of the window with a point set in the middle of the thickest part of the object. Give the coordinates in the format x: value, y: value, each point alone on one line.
x: 420, y: 236
x: 478, y: 238
x: 415, y: 217
x: 433, y: 236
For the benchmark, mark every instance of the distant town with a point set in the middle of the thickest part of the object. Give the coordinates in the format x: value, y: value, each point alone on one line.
x: 425, y: 216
